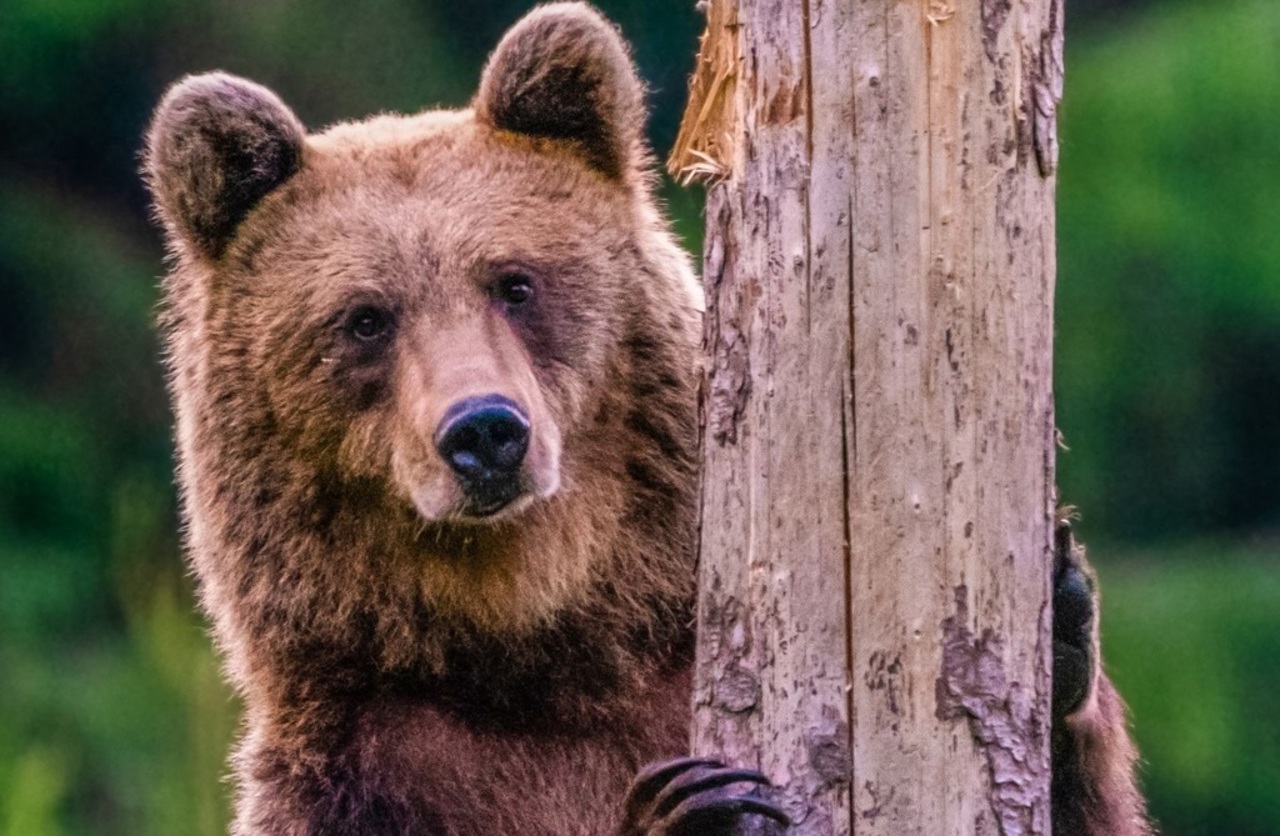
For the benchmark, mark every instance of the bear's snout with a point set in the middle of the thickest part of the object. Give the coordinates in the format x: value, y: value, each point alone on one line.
x: 484, y: 440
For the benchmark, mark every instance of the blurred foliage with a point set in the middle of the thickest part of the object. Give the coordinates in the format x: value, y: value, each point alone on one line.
x: 1168, y: 373
x: 1190, y: 638
x: 1169, y: 357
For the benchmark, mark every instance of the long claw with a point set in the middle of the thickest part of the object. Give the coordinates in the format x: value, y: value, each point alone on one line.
x: 696, y: 815
x: 653, y: 778
x: 693, y: 782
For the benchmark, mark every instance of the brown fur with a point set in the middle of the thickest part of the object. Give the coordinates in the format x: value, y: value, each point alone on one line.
x: 403, y: 670
x: 406, y: 668
x: 1095, y: 790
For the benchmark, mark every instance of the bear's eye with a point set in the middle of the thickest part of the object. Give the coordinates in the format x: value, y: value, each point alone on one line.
x: 514, y: 289
x: 368, y: 323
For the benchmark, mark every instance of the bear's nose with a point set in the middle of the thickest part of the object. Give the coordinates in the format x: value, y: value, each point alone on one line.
x: 484, y: 439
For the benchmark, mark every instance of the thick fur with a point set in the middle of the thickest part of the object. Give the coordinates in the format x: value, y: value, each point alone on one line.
x: 404, y: 674
x: 405, y: 667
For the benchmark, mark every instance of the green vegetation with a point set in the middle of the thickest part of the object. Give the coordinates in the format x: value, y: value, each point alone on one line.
x: 1192, y: 639
x: 1168, y: 357
x: 1169, y: 291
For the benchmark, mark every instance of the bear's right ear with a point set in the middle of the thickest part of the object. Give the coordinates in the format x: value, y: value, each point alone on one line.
x: 216, y: 146
x: 563, y: 72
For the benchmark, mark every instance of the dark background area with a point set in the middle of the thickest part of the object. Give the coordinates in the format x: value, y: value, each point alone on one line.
x: 1168, y: 376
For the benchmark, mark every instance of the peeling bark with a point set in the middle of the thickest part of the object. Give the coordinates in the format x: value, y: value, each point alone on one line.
x: 1003, y: 716
x: 1048, y: 91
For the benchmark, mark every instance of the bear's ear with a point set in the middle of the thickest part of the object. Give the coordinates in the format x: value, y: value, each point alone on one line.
x: 564, y: 72
x: 216, y: 146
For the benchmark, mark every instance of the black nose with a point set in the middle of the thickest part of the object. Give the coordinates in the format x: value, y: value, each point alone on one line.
x: 484, y: 439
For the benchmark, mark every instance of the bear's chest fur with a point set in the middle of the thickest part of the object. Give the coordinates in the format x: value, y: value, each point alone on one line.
x: 406, y: 764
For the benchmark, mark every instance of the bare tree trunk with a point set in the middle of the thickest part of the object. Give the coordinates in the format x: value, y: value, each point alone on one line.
x: 877, y: 500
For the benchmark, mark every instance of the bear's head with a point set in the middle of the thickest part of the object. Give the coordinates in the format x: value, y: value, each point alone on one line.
x: 431, y: 372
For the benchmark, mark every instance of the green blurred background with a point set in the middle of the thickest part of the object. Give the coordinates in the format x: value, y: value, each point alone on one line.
x: 114, y: 718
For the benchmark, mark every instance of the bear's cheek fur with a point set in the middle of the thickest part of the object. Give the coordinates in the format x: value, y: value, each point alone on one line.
x: 359, y: 434
x: 376, y: 464
x: 356, y: 437
x: 371, y: 414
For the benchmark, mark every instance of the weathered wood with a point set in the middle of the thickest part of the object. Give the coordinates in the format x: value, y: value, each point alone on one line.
x: 877, y: 492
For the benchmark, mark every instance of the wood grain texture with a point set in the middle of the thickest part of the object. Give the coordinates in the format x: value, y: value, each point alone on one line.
x: 877, y: 498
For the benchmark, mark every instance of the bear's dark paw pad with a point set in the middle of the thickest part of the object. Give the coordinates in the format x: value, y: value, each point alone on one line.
x: 1074, y: 612
x: 689, y: 796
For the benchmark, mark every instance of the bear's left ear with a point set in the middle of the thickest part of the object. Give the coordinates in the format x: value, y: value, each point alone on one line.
x: 217, y: 146
x: 563, y: 72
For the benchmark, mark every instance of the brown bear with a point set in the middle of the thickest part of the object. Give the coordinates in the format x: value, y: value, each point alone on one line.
x: 435, y: 387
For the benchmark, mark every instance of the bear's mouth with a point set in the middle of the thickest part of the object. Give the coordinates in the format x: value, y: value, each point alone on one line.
x: 474, y: 501
x: 486, y: 498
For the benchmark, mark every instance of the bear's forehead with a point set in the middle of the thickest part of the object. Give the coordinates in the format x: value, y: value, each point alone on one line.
x: 448, y: 158
x: 441, y: 181
x: 396, y: 198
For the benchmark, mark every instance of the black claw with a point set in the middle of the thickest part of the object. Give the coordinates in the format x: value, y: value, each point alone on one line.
x: 699, y: 815
x: 696, y: 781
x: 1063, y: 544
x: 654, y: 777
x: 694, y: 797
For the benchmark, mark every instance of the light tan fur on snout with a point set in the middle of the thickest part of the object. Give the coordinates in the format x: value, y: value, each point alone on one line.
x: 442, y: 366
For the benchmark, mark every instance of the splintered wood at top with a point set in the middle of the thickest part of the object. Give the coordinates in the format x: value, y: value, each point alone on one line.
x: 704, y: 147
x: 878, y: 457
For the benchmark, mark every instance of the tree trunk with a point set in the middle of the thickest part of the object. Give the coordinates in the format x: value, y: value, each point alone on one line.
x: 878, y: 452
